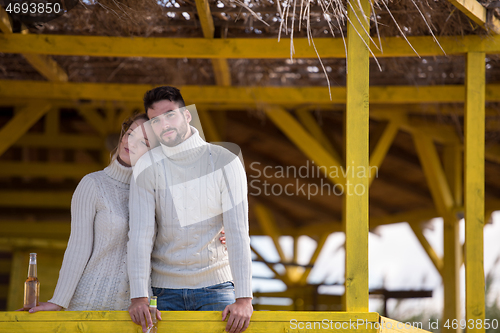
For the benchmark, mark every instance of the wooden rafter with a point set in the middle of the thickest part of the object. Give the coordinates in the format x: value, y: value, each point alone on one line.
x: 477, y: 13
x: 233, y: 48
x: 239, y: 95
x: 44, y: 64
x: 20, y: 124
x: 220, y: 65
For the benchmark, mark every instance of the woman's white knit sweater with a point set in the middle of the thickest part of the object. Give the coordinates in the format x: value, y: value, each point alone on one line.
x: 93, y: 275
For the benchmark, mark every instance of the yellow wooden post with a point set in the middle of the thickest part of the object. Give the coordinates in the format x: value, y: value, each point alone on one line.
x: 452, y: 249
x: 474, y: 190
x: 357, y: 151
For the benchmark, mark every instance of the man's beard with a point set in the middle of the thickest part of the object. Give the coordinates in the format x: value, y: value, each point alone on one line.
x: 177, y: 139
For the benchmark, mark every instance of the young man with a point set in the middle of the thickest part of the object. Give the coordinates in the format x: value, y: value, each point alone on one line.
x: 193, y: 189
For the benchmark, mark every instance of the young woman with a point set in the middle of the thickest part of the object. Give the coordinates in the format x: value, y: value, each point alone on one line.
x: 93, y: 275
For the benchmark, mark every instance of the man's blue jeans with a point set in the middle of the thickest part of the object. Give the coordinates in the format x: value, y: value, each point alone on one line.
x: 212, y: 298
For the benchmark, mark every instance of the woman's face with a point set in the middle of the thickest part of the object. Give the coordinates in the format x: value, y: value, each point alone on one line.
x: 134, y: 143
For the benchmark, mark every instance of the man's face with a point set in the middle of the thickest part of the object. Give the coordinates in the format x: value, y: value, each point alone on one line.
x: 170, y: 124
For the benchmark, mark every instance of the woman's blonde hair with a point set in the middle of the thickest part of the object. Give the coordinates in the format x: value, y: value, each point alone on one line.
x: 125, y: 126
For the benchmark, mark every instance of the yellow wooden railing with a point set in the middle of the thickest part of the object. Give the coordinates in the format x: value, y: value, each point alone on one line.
x: 209, y: 321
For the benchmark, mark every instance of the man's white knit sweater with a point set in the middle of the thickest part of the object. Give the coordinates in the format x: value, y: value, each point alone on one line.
x: 193, y: 190
x: 93, y: 275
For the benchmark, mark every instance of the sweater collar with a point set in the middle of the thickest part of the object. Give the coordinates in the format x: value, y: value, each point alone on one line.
x: 186, y: 150
x: 119, y: 172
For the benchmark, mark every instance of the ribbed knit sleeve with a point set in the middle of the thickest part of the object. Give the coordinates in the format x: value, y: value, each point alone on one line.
x: 142, y: 229
x: 235, y: 219
x: 79, y: 249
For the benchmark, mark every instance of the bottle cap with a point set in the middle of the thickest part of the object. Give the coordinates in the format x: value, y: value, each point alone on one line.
x: 153, y: 301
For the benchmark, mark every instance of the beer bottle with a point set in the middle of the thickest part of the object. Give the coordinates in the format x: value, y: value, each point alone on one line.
x: 31, y: 285
x: 152, y: 310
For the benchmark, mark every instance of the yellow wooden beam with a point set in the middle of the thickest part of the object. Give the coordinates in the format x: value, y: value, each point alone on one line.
x: 52, y: 122
x: 477, y: 13
x: 357, y: 156
x: 382, y: 147
x: 5, y: 24
x: 319, y: 246
x: 268, y: 225
x: 392, y: 326
x: 20, y: 124
x: 239, y: 95
x: 221, y: 72
x: 436, y: 260
x: 205, y: 17
x: 208, y: 124
x: 474, y: 190
x: 60, y: 141
x: 315, y: 130
x: 234, y: 48
x: 185, y: 321
x: 39, y: 229
x: 435, y: 176
x: 44, y: 64
x: 43, y: 169
x: 305, y: 142
x: 473, y: 9
x: 278, y: 275
x: 452, y: 249
x: 95, y: 119
x: 42, y: 199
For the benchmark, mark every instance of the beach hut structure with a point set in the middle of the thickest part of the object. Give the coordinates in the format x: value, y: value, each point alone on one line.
x: 418, y: 111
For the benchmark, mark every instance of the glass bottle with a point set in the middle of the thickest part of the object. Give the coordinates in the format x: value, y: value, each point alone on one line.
x: 152, y: 310
x: 31, y: 285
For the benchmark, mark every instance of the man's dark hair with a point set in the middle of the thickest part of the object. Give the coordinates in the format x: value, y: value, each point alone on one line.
x: 162, y: 93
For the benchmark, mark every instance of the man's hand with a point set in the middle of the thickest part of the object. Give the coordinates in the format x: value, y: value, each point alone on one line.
x: 43, y: 306
x: 139, y: 312
x: 239, y: 315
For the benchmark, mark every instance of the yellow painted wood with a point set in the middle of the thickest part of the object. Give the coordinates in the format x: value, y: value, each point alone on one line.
x: 12, y: 244
x: 20, y: 124
x: 205, y: 17
x: 208, y: 125
x: 221, y: 72
x: 314, y: 257
x: 52, y: 122
x: 436, y: 260
x: 357, y: 156
x: 234, y: 48
x: 278, y: 275
x: 39, y: 169
x: 435, y: 176
x: 474, y: 189
x: 45, y: 199
x: 315, y: 130
x: 5, y: 265
x: 18, y: 274
x: 382, y: 147
x: 239, y: 95
x: 452, y: 249
x: 46, y: 66
x: 60, y: 141
x: 206, y: 321
x: 97, y: 121
x: 29, y: 229
x: 473, y: 9
x: 268, y: 225
x: 5, y: 25
x: 304, y: 141
x: 393, y: 326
